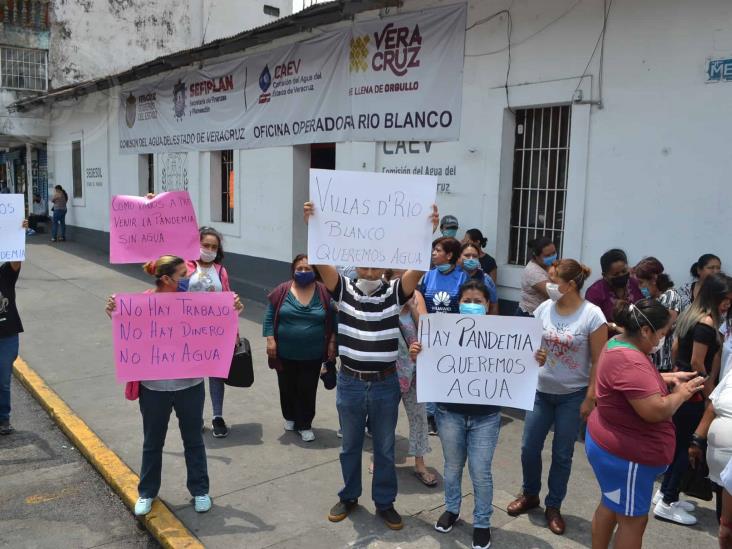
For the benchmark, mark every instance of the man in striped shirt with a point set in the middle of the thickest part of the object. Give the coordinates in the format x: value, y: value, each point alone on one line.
x: 368, y: 387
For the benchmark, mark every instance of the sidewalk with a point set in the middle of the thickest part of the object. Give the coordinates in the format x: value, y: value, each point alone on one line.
x: 269, y: 488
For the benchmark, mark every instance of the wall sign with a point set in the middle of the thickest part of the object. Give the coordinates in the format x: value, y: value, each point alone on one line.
x: 719, y: 70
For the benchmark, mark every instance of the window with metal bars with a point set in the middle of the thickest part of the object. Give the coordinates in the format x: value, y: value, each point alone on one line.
x: 76, y: 169
x: 539, y: 189
x: 23, y: 69
x: 227, y: 186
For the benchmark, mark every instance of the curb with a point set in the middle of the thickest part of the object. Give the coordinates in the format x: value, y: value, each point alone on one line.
x: 170, y: 532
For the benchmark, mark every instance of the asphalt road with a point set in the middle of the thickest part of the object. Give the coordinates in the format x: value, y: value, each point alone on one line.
x: 49, y: 494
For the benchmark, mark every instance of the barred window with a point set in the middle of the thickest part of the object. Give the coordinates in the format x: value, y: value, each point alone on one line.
x: 539, y: 189
x: 78, y: 184
x: 23, y: 69
x: 227, y: 186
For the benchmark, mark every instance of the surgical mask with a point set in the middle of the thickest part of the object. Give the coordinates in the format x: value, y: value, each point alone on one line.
x: 207, y: 256
x: 659, y: 345
x: 444, y: 267
x: 450, y: 233
x: 620, y: 281
x: 183, y: 284
x: 304, y: 278
x: 645, y: 291
x: 549, y: 261
x: 368, y: 286
x: 553, y: 291
x: 472, y: 309
x: 471, y: 264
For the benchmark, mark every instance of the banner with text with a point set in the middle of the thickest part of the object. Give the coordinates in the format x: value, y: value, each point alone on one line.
x: 478, y: 359
x: 12, y: 233
x: 387, y: 79
x: 142, y: 229
x: 366, y: 219
x: 176, y: 335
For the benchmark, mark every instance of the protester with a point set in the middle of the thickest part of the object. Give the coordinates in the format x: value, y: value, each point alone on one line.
x: 630, y: 435
x: 60, y: 199
x: 535, y: 277
x: 469, y: 261
x: 698, y: 350
x: 38, y: 214
x: 656, y: 284
x: 468, y: 432
x: 300, y: 331
x: 10, y: 329
x: 449, y: 226
x: 707, y: 264
x: 440, y: 288
x: 368, y: 321
x: 574, y: 332
x: 158, y: 398
x: 615, y: 285
x: 207, y: 274
x: 487, y: 263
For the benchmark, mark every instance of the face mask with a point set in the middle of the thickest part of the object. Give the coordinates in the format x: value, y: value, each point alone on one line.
x: 304, y: 278
x: 472, y: 309
x: 368, y: 286
x: 659, y: 345
x: 645, y: 291
x: 450, y: 233
x: 553, y: 291
x: 208, y: 256
x: 471, y: 264
x: 620, y: 281
x: 549, y: 261
x: 444, y: 267
x: 183, y: 284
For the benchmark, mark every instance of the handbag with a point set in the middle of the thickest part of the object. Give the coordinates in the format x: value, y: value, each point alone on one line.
x: 132, y: 390
x: 241, y: 373
x: 696, y: 483
x: 329, y: 377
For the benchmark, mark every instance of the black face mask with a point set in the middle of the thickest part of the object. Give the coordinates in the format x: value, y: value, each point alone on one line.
x: 620, y: 281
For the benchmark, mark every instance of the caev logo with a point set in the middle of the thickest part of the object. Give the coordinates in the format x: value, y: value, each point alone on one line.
x: 441, y: 299
x: 130, y: 110
x: 179, y: 100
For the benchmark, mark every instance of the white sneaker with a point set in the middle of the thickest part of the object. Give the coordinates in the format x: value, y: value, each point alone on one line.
x: 673, y: 513
x: 307, y: 435
x: 687, y: 506
x: 289, y: 425
x: 143, y: 506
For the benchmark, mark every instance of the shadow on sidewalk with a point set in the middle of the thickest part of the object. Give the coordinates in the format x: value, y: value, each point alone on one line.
x: 240, y: 434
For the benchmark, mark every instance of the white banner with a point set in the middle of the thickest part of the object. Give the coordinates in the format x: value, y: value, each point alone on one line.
x: 478, y: 359
x: 12, y: 233
x: 365, y: 219
x: 388, y: 79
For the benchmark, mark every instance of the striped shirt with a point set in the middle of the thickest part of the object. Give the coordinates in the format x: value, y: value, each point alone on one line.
x: 368, y: 325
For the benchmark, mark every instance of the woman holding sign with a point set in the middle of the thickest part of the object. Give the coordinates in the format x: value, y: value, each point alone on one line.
x: 158, y: 398
x: 574, y: 332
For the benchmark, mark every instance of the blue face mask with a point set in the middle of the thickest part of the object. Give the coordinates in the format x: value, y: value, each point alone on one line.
x: 183, y: 284
x: 304, y: 278
x: 444, y: 267
x: 549, y: 261
x: 471, y: 264
x: 450, y: 233
x: 472, y: 309
x: 645, y: 291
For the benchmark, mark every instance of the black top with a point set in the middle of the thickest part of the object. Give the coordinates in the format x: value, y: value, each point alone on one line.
x: 701, y: 333
x: 9, y: 319
x: 487, y: 263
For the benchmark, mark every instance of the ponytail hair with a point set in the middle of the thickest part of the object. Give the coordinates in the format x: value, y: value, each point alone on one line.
x: 571, y: 270
x: 701, y: 263
x: 165, y: 265
x: 646, y: 312
x: 474, y: 235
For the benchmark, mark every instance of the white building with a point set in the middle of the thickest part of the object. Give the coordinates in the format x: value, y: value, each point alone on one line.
x: 599, y: 140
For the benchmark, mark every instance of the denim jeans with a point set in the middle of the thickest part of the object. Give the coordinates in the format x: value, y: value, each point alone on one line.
x: 563, y: 412
x: 8, y: 354
x: 474, y: 438
x: 155, y: 407
x: 216, y: 389
x: 431, y: 408
x: 379, y: 400
x: 59, y: 218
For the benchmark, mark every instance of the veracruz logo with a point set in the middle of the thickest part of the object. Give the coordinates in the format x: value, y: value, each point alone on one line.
x: 397, y: 49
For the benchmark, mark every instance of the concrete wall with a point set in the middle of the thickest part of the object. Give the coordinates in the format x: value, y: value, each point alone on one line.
x: 647, y: 171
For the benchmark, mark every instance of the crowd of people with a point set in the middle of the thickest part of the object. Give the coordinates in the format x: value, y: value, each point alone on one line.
x: 641, y: 363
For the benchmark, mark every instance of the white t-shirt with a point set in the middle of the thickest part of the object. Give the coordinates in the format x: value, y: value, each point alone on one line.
x: 205, y: 280
x: 719, y: 437
x: 726, y: 362
x: 567, y: 341
x: 532, y: 275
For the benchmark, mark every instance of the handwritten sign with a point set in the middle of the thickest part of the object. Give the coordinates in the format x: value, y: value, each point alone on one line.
x: 177, y: 335
x: 371, y: 219
x: 478, y: 359
x: 12, y: 233
x: 141, y: 230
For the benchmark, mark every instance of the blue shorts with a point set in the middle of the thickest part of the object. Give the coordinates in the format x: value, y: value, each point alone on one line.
x: 626, y: 486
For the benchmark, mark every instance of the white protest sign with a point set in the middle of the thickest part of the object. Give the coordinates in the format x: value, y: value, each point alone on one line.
x: 369, y: 219
x: 12, y: 233
x: 478, y: 359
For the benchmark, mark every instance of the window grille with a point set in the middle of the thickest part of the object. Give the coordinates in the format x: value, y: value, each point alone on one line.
x: 76, y: 169
x: 227, y: 186
x: 23, y: 69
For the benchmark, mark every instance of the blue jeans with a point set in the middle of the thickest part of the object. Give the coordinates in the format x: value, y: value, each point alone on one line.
x: 59, y: 218
x: 563, y: 412
x: 379, y: 400
x: 155, y: 407
x: 216, y: 389
x: 431, y: 408
x: 8, y: 354
x: 474, y: 438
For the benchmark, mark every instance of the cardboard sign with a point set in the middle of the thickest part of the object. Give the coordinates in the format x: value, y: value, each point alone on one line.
x: 478, y: 359
x: 176, y: 335
x: 12, y: 233
x: 142, y: 229
x: 369, y: 219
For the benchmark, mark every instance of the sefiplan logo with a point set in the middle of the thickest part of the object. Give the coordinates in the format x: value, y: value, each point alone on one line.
x: 441, y: 299
x: 265, y: 81
x: 179, y: 100
x: 397, y: 50
x: 130, y: 110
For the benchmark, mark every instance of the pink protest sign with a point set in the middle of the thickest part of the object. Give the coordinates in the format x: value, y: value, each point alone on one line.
x: 142, y: 229
x: 176, y: 335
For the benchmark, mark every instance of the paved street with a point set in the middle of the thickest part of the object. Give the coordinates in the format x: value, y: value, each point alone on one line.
x: 269, y: 488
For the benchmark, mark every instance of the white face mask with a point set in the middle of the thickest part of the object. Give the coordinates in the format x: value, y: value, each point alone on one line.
x: 553, y: 291
x: 207, y: 256
x: 368, y: 286
x: 659, y: 345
